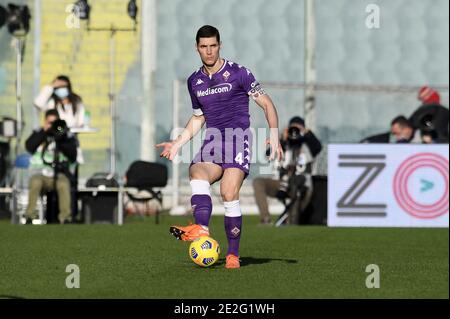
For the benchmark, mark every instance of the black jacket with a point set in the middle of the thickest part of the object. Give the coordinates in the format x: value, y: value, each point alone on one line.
x: 67, y: 145
x: 313, y: 143
x: 379, y: 138
x: 437, y: 115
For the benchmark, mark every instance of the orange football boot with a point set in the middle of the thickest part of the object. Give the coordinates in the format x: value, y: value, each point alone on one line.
x: 189, y: 233
x: 232, y: 262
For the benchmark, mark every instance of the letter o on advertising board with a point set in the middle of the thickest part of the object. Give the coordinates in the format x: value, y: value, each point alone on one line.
x: 409, y: 201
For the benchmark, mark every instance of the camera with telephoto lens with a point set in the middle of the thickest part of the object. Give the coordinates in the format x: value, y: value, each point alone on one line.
x: 58, y: 133
x: 295, y: 136
x: 427, y: 127
x: 59, y: 130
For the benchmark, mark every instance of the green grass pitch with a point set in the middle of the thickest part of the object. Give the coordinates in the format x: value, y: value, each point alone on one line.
x: 142, y: 260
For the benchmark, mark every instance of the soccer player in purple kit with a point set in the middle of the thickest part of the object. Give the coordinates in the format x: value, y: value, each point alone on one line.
x: 220, y: 92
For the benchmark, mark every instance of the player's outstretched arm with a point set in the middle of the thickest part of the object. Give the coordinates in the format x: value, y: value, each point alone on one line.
x: 170, y: 149
x: 265, y: 102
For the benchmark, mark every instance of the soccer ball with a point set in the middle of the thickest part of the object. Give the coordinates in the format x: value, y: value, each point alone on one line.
x: 204, y: 251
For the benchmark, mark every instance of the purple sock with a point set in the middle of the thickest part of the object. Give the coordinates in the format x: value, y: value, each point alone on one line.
x: 233, y: 226
x: 202, y: 205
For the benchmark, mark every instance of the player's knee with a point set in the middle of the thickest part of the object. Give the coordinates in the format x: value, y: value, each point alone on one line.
x: 229, y: 194
x: 197, y: 174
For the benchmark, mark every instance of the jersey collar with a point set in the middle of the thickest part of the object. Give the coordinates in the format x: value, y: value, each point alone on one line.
x: 218, y: 72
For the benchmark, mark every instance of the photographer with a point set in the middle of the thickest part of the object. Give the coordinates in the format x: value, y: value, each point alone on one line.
x: 54, y: 151
x: 403, y: 131
x: 293, y: 177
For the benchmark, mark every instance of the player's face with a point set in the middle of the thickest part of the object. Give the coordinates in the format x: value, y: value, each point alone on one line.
x: 209, y: 49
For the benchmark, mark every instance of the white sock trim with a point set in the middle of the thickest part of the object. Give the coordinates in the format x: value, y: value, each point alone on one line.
x: 200, y: 187
x: 232, y: 209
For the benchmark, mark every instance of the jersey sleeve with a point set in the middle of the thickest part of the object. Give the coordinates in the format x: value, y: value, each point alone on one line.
x: 196, y: 106
x: 250, y: 84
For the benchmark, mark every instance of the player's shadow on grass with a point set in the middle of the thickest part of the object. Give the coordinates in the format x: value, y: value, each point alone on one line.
x: 245, y: 261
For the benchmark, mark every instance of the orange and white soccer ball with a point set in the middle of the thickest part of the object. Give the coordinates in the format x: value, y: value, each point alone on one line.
x: 204, y: 251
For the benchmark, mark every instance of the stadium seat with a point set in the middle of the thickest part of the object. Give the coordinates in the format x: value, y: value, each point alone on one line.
x: 4, y: 152
x: 143, y: 177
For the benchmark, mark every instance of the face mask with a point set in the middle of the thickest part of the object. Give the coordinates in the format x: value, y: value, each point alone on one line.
x: 62, y: 92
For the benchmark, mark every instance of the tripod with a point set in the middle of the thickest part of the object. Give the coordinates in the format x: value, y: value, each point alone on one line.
x: 297, y: 183
x: 57, y: 166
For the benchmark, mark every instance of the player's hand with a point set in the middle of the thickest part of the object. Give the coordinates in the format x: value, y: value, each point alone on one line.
x: 170, y: 150
x: 276, y: 151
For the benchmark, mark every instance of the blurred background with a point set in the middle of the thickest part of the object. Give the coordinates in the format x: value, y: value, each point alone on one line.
x: 364, y: 76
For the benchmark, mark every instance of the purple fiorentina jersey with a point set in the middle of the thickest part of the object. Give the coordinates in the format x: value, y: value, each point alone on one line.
x: 223, y: 98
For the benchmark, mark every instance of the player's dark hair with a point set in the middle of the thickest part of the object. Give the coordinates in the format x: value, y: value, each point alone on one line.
x: 402, y: 121
x: 207, y: 31
x: 52, y: 112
